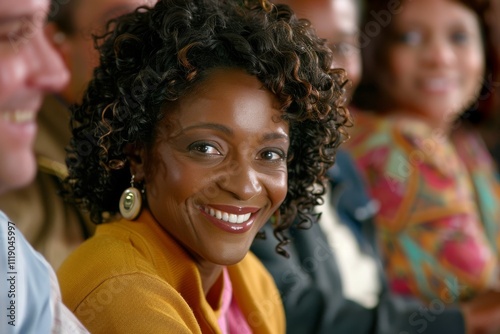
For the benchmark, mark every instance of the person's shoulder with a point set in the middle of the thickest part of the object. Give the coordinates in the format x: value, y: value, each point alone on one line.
x: 4, y: 221
x: 113, y: 245
x: 116, y: 271
x: 380, y: 140
x: 113, y: 253
x: 255, y: 285
x: 370, y: 133
x: 29, y: 277
x: 17, y: 243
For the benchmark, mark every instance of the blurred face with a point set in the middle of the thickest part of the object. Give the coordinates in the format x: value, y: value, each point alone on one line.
x: 80, y: 56
x: 435, y: 61
x: 218, y: 169
x: 29, y: 67
x: 337, y: 22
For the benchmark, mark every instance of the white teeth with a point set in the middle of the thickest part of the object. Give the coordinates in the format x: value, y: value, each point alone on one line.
x: 243, y: 218
x: 228, y: 217
x: 18, y: 116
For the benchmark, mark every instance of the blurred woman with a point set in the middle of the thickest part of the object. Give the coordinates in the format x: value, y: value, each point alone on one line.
x: 438, y: 223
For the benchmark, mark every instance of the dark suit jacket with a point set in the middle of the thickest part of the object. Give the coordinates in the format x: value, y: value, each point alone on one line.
x: 310, y: 283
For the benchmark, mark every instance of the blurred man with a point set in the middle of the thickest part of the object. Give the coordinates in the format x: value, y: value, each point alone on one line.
x: 71, y: 29
x: 29, y: 68
x: 52, y: 226
x: 337, y: 22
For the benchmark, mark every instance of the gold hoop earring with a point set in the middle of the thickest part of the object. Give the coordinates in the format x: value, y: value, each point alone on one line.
x: 130, y: 202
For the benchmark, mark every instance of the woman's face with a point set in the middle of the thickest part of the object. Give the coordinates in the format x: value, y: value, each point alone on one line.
x: 435, y: 59
x: 218, y: 171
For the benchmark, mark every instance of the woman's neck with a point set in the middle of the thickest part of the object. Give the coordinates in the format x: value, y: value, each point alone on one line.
x: 443, y: 123
x: 209, y: 273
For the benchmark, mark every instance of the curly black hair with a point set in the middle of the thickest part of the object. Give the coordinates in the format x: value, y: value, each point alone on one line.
x: 157, y: 55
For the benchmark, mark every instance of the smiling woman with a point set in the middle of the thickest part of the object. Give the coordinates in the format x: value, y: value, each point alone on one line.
x: 221, y: 116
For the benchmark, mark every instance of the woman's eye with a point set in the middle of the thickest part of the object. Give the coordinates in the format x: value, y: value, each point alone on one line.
x: 410, y: 38
x: 272, y: 155
x: 204, y: 148
x: 459, y: 37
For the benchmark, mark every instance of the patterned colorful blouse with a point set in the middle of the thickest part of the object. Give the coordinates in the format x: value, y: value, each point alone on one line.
x: 439, y: 219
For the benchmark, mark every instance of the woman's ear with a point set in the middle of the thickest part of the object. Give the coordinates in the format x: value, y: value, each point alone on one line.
x: 137, y: 159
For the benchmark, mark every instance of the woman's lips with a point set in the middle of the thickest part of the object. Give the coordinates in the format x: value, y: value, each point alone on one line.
x: 233, y: 209
x: 230, y: 218
x: 437, y: 85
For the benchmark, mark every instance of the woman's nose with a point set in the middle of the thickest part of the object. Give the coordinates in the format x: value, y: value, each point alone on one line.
x: 439, y: 53
x: 242, y: 181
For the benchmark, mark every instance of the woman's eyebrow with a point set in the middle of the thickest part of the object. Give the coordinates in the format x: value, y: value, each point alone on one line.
x: 228, y: 131
x: 212, y: 126
x: 275, y: 135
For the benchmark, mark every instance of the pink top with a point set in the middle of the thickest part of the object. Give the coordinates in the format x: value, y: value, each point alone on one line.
x: 231, y: 319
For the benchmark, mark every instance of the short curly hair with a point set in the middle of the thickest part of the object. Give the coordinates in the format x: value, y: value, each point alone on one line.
x: 156, y: 55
